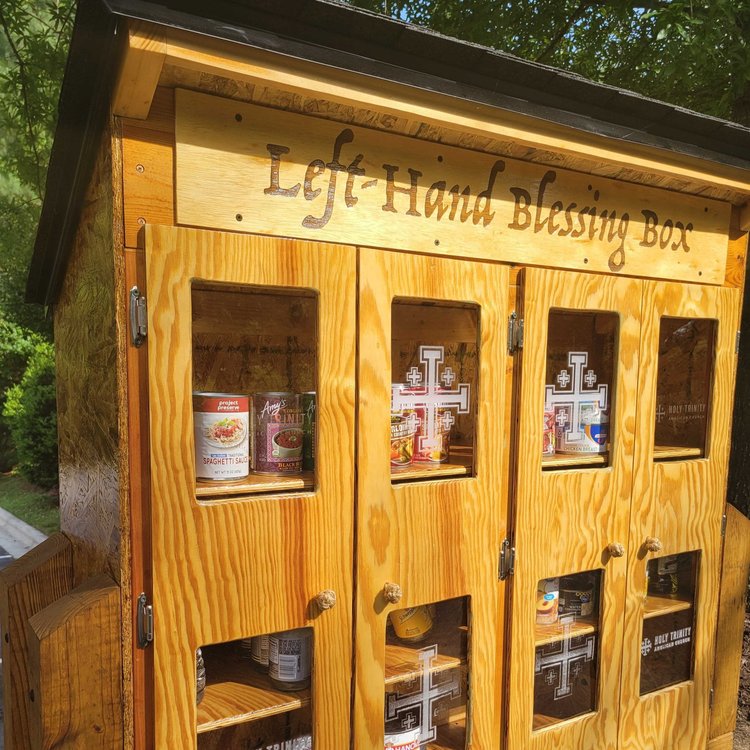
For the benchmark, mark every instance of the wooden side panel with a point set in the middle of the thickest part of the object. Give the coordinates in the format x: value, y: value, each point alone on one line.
x: 87, y: 360
x: 725, y: 742
x: 733, y: 590
x: 565, y: 520
x: 437, y: 539
x: 681, y: 504
x: 147, y: 171
x: 76, y: 669
x: 246, y: 566
x: 27, y: 585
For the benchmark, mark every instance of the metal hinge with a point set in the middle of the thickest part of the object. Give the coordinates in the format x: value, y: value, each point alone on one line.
x: 737, y: 342
x: 507, y: 563
x: 138, y: 317
x: 144, y: 622
x: 515, y: 333
x: 711, y: 699
x: 724, y: 525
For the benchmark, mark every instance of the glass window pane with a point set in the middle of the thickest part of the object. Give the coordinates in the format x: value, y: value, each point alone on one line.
x: 668, y: 621
x: 257, y: 692
x: 579, y: 390
x: 567, y: 647
x: 683, y: 387
x: 254, y: 388
x: 434, y: 376
x: 427, y: 672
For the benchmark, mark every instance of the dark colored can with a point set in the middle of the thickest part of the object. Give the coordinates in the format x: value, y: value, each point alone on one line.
x: 576, y: 596
x: 308, y: 406
x: 277, y: 433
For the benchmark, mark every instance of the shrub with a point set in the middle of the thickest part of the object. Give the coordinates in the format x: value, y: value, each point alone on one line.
x: 29, y: 412
x: 17, y: 344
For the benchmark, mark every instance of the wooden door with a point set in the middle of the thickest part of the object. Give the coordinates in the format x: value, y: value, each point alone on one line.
x: 579, y: 368
x: 231, y: 561
x: 687, y: 358
x: 429, y: 530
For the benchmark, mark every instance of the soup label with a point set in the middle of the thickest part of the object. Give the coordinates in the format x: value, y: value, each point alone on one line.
x: 221, y: 436
x: 278, y: 433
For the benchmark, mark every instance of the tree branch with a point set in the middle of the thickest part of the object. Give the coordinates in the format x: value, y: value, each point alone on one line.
x: 26, y: 104
x: 557, y: 38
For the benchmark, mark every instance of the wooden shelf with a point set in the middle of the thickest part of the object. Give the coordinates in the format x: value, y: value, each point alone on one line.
x: 450, y: 737
x: 655, y: 605
x: 461, y: 459
x: 572, y: 460
x: 545, y: 634
x: 256, y: 484
x: 236, y: 692
x: 675, y: 452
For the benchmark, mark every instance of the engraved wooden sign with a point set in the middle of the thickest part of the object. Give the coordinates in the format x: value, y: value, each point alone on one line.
x: 246, y: 168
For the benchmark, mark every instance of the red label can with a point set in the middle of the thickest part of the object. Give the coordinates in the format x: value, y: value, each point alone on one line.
x: 221, y: 428
x: 277, y: 433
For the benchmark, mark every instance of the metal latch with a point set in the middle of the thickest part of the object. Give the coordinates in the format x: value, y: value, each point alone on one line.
x: 144, y: 622
x: 138, y: 317
x: 737, y: 342
x: 507, y: 563
x: 515, y: 333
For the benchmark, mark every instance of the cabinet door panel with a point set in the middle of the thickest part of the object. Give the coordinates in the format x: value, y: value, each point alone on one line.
x: 578, y: 372
x: 685, y: 399
x: 434, y: 531
x: 248, y: 561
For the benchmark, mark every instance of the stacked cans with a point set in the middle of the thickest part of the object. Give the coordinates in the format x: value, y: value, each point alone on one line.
x: 271, y: 432
x: 285, y: 656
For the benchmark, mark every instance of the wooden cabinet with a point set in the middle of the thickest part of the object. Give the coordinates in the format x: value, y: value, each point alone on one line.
x: 595, y: 524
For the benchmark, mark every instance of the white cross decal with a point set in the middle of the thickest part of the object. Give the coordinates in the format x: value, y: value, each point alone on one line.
x: 562, y: 660
x: 590, y: 378
x: 661, y: 412
x: 578, y: 395
x: 423, y: 701
x: 431, y: 396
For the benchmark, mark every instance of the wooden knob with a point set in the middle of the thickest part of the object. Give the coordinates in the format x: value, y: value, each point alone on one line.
x: 652, y: 544
x: 326, y: 599
x: 392, y: 593
x: 616, y: 549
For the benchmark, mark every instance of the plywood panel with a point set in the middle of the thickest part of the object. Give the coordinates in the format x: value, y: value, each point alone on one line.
x: 566, y: 519
x: 244, y: 567
x: 438, y: 539
x: 681, y: 504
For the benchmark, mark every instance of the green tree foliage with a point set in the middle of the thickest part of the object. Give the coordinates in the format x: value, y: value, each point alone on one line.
x: 34, y: 37
x: 29, y: 411
x: 695, y: 53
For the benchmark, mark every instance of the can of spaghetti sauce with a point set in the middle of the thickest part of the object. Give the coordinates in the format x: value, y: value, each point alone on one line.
x: 221, y: 436
x: 277, y: 433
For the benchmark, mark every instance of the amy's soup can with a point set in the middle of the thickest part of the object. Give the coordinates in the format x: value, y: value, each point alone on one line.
x: 290, y: 659
x: 277, y: 432
x: 401, y: 738
x: 221, y: 436
x: 308, y: 406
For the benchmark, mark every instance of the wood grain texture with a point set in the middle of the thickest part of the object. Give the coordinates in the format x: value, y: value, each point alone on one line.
x: 28, y: 585
x: 228, y: 145
x: 439, y: 539
x: 680, y: 503
x: 732, y: 592
x: 88, y: 382
x: 737, y: 253
x: 553, y: 507
x: 260, y: 68
x: 76, y: 669
x: 140, y: 68
x: 229, y: 570
x: 148, y: 156
x: 725, y: 742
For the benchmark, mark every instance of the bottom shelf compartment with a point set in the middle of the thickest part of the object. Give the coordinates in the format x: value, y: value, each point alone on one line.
x: 290, y: 731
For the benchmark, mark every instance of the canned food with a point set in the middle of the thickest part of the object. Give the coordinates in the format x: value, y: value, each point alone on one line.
x: 221, y: 428
x: 290, y: 659
x: 576, y: 596
x: 403, y: 430
x: 665, y: 580
x: 548, y: 445
x: 309, y: 418
x: 200, y: 673
x: 256, y: 649
x: 277, y: 433
x: 547, y: 601
x: 402, y: 739
x: 593, y: 426
x: 412, y: 624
